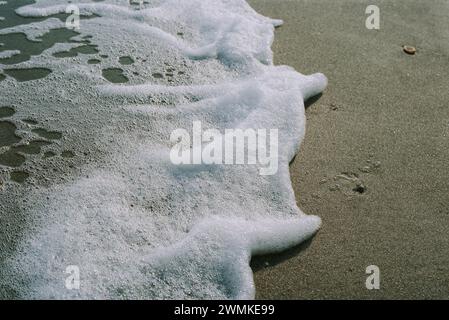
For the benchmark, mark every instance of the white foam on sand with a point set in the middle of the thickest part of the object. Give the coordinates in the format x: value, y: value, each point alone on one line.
x: 35, y: 30
x: 8, y: 53
x: 136, y: 225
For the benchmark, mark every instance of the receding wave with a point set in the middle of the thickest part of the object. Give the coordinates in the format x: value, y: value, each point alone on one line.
x: 135, y: 224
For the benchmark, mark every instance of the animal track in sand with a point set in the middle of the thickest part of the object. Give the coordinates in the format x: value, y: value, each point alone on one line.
x: 348, y: 183
x: 351, y: 183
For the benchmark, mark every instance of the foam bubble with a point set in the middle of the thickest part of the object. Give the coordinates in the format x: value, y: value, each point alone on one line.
x: 136, y: 225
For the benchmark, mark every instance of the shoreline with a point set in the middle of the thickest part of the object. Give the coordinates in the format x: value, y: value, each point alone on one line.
x: 373, y: 162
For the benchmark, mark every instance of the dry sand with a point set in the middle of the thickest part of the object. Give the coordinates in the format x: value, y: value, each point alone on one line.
x: 383, y: 123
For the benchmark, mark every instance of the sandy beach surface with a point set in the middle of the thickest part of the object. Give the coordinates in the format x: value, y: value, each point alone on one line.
x: 374, y: 164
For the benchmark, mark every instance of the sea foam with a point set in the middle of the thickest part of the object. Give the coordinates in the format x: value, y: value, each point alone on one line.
x: 134, y: 224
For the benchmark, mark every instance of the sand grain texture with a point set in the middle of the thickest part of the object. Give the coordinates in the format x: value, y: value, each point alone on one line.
x: 381, y: 128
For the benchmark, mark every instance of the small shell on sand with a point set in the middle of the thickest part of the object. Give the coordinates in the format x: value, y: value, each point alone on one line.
x: 409, y: 49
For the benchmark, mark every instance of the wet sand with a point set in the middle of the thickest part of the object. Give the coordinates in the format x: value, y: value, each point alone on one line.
x: 374, y: 163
